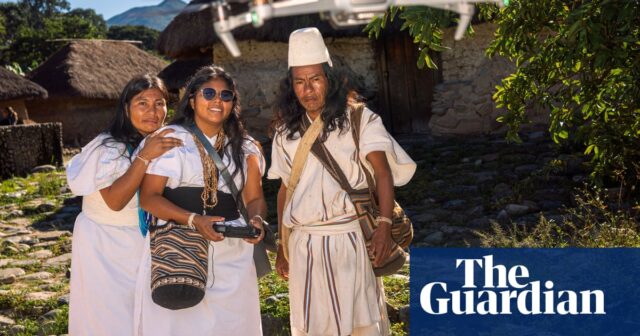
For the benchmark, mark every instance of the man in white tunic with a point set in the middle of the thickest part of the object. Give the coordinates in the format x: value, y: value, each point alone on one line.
x: 332, y: 287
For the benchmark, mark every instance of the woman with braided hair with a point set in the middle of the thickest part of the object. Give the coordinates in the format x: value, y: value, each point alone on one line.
x: 230, y: 305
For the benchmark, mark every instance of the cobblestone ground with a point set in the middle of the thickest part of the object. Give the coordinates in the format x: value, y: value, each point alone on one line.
x: 461, y: 185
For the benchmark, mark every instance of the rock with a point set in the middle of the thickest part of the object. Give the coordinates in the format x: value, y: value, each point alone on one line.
x: 20, y: 221
x: 50, y: 315
x: 550, y: 205
x: 454, y: 204
x: 503, y: 216
x: 5, y: 321
x: 44, y: 296
x: 476, y: 211
x: 490, y: 157
x: 40, y: 254
x: 434, y: 238
x: 453, y: 229
x: 63, y: 299
x: 516, y: 209
x: 5, y: 262
x: 16, y: 213
x: 25, y: 262
x: 59, y: 260
x: 45, y: 207
x: 479, y: 223
x: 477, y: 162
x: 424, y: 218
x: 9, y: 275
x: 43, y: 169
x: 484, y: 176
x: 526, y: 169
x: 37, y: 276
x: 52, y: 235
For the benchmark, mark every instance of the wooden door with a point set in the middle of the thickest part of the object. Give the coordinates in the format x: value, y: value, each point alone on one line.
x: 405, y: 92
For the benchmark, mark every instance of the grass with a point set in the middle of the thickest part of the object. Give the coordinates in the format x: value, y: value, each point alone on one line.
x: 591, y: 223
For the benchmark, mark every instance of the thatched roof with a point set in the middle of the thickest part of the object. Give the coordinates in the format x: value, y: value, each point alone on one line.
x: 189, y: 32
x: 96, y: 69
x: 176, y: 74
x: 14, y: 86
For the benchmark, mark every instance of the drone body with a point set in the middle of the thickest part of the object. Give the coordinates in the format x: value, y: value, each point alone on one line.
x: 342, y: 13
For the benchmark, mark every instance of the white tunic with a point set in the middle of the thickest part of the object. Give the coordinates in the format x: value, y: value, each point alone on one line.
x: 332, y: 288
x: 231, y: 304
x: 107, y: 245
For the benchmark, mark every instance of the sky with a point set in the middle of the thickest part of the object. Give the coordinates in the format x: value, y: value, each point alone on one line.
x: 109, y: 8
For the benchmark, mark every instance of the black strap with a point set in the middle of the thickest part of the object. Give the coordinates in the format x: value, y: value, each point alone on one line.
x: 224, y: 172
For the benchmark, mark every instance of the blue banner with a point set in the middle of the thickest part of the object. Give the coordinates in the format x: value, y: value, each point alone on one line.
x: 479, y: 291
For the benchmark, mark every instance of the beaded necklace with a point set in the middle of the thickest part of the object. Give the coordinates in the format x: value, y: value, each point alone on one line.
x: 209, y: 171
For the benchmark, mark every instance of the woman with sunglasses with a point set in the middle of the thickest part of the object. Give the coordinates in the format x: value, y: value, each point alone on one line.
x: 230, y: 305
x: 107, y: 243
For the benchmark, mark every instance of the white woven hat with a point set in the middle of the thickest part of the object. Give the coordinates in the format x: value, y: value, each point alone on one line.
x: 306, y: 47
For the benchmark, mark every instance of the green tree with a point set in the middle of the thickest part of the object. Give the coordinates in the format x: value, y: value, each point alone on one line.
x: 578, y: 59
x: 33, y: 25
x: 146, y: 35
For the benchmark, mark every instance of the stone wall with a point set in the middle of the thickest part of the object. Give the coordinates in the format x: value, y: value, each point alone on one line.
x: 82, y: 119
x: 462, y: 103
x: 263, y: 64
x: 24, y: 147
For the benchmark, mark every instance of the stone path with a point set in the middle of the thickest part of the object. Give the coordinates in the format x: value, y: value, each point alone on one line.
x: 462, y: 185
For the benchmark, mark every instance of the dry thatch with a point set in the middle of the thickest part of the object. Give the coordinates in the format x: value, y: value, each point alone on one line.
x: 177, y: 74
x: 188, y: 33
x: 95, y: 69
x: 14, y: 86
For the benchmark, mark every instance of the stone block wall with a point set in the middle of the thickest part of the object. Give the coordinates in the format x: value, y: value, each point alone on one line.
x: 23, y: 147
x: 462, y: 103
x: 263, y: 64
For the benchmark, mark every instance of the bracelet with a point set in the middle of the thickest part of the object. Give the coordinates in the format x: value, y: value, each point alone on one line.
x: 190, y: 221
x: 261, y: 219
x: 145, y: 161
x: 384, y: 219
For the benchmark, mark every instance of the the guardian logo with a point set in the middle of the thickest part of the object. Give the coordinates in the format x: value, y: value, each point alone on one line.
x: 506, y: 291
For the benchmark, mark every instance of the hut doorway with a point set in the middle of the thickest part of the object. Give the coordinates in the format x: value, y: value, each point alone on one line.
x: 405, y: 92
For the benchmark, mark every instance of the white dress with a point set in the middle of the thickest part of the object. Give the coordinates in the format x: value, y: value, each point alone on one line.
x: 231, y: 303
x: 107, y: 245
x: 332, y: 288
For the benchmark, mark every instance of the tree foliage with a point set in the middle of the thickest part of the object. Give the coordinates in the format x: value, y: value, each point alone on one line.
x: 31, y: 26
x: 147, y: 35
x: 579, y: 59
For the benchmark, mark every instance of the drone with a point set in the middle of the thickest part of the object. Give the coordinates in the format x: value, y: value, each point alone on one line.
x: 341, y: 13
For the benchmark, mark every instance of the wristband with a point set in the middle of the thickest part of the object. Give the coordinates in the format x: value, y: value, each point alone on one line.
x: 384, y: 219
x: 190, y: 221
x: 145, y: 161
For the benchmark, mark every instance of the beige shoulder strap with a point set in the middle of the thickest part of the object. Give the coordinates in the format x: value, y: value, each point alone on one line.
x: 299, y: 160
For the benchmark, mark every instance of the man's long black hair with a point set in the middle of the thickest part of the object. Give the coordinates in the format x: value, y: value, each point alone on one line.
x: 289, y: 112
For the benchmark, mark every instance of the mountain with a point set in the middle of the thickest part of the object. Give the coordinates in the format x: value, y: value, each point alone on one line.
x: 156, y: 17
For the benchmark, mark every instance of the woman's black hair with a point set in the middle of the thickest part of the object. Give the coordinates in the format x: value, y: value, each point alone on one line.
x: 233, y: 126
x: 289, y: 112
x: 121, y: 129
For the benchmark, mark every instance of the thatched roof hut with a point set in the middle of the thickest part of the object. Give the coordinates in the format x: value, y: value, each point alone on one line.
x: 14, y: 90
x: 95, y: 69
x: 176, y: 74
x: 84, y: 79
x: 191, y: 33
x: 13, y: 86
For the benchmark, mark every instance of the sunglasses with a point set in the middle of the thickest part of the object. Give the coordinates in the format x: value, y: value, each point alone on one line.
x: 210, y: 94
